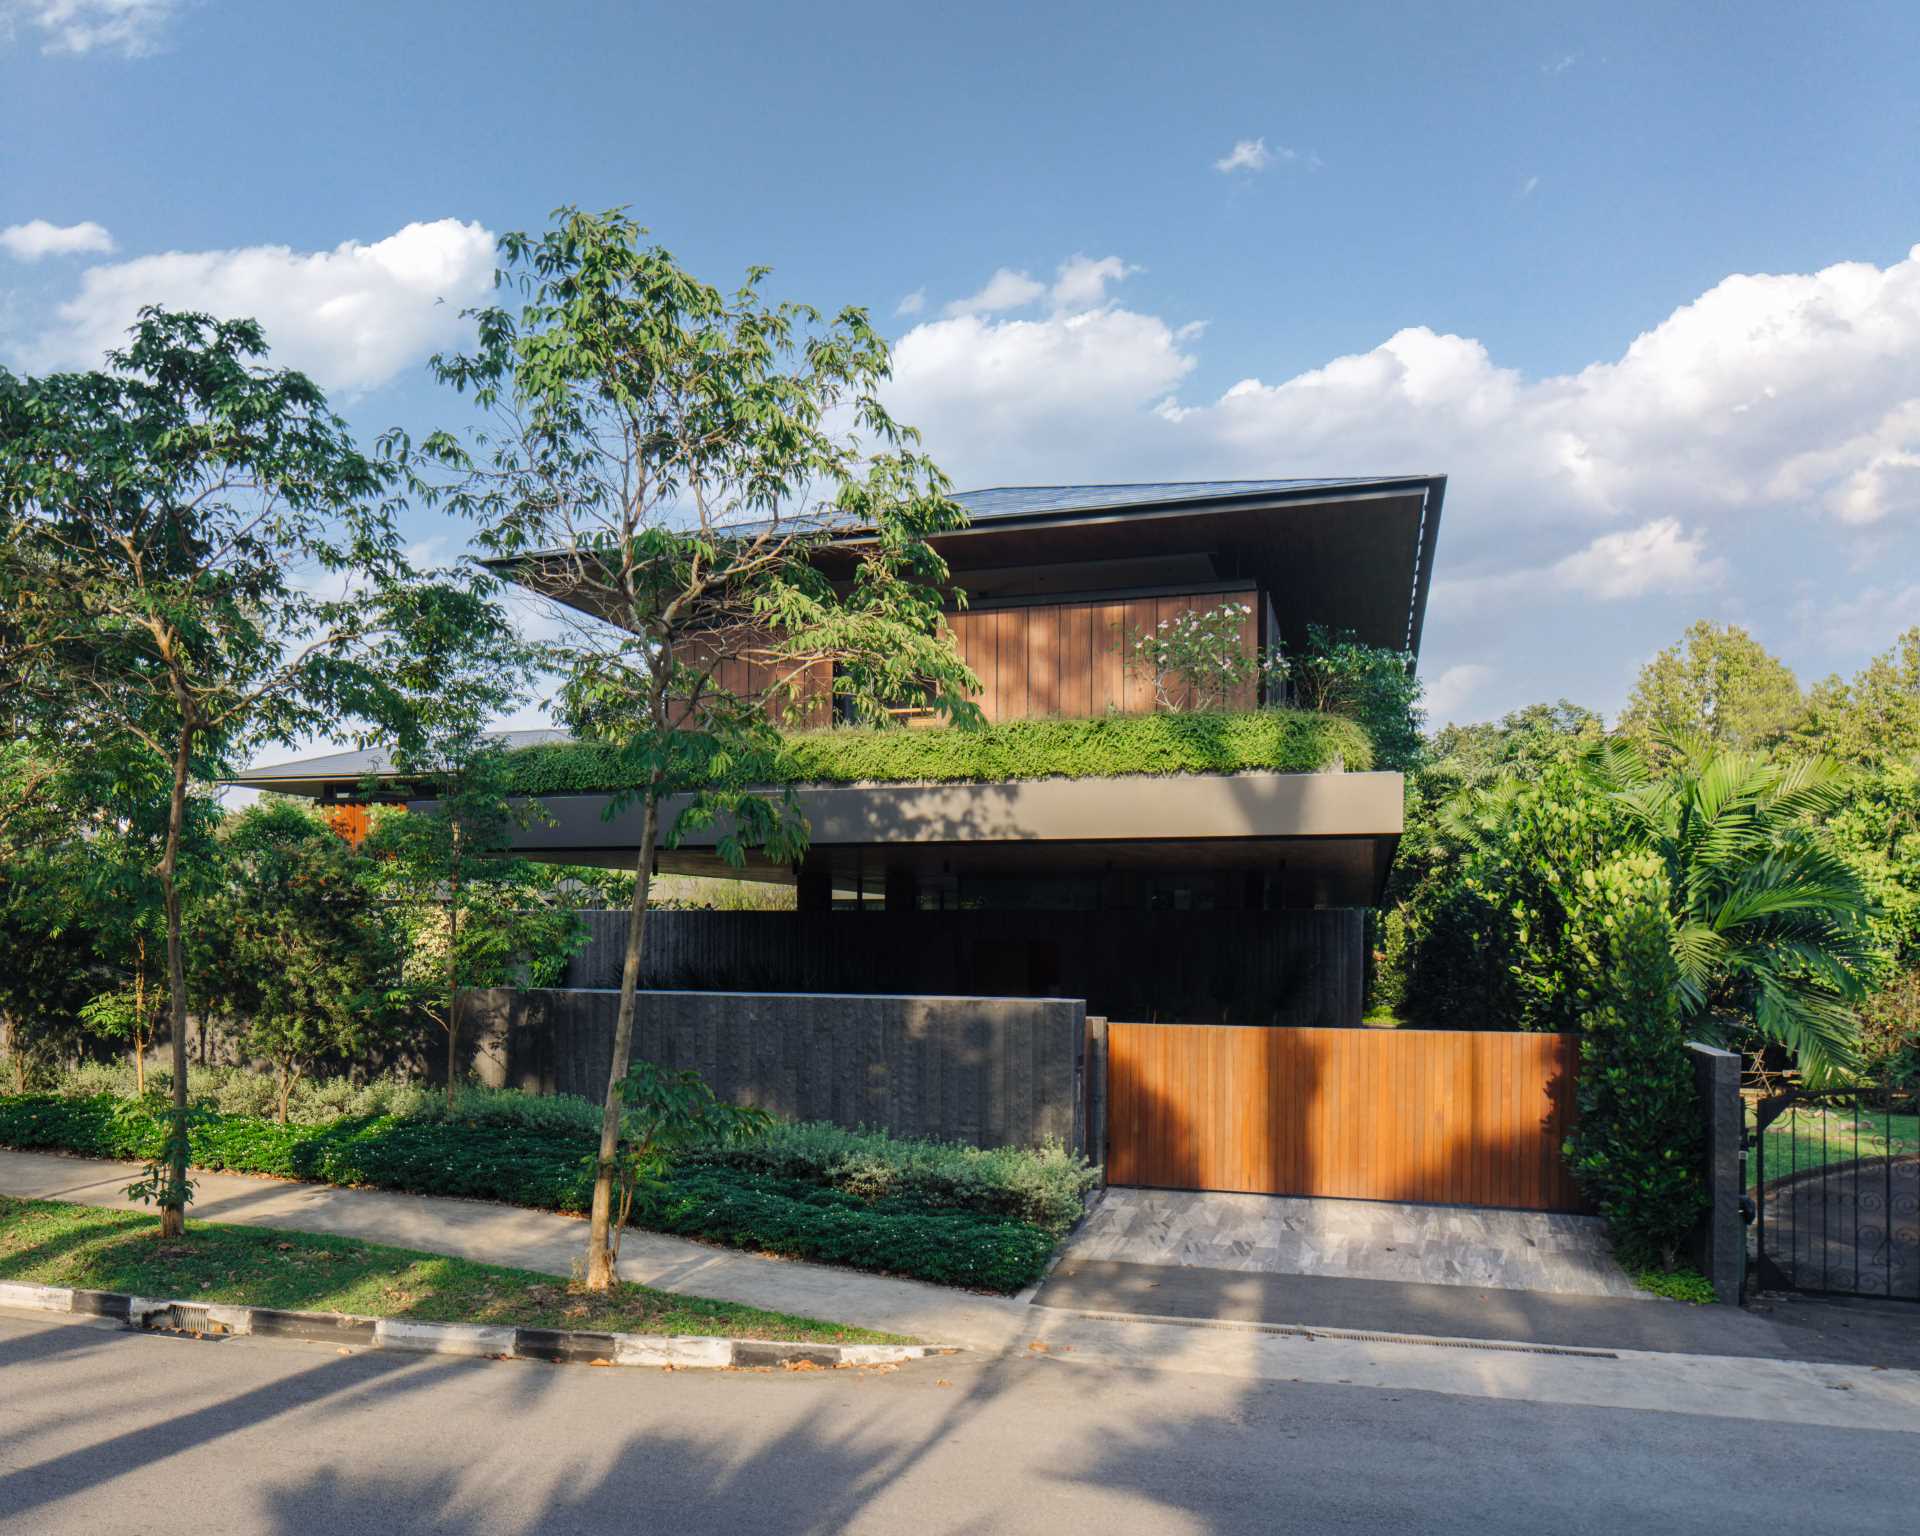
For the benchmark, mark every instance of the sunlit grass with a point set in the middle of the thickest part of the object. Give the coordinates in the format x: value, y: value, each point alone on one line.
x: 45, y: 1242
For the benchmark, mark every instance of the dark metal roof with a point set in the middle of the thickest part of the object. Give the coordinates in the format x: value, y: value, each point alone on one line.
x: 1354, y: 553
x: 1038, y: 500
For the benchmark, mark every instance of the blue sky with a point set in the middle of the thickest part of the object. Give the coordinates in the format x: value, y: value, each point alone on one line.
x: 1642, y: 279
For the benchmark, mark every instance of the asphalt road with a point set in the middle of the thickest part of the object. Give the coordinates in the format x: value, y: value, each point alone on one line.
x: 103, y: 1430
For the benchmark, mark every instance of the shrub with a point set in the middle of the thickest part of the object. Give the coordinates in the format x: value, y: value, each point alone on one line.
x: 1637, y: 1145
x: 1046, y: 1187
x: 951, y: 1214
x: 1279, y: 740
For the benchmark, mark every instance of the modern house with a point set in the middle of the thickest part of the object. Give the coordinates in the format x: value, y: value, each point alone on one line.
x: 1206, y: 897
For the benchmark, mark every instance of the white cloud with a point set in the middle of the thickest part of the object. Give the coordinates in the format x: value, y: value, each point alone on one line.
x: 1006, y: 396
x: 1560, y: 65
x: 1864, y: 622
x: 131, y: 28
x: 1528, y: 187
x: 1449, y: 693
x: 1082, y: 282
x: 37, y: 238
x: 1656, y: 557
x: 1006, y: 289
x: 1702, y: 460
x: 352, y: 317
x: 1246, y: 155
x: 913, y: 303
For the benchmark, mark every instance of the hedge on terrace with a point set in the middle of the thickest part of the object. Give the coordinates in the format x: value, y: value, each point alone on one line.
x: 1275, y: 740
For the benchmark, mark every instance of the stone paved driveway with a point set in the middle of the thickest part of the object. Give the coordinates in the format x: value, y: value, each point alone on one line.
x: 1365, y: 1239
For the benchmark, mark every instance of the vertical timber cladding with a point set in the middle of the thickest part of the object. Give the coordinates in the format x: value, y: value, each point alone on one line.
x: 1068, y: 658
x: 1429, y: 1116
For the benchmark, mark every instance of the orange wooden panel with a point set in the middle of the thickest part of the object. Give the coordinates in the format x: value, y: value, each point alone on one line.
x: 1433, y: 1116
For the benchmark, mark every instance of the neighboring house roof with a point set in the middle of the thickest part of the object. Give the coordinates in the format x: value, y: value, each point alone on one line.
x: 311, y: 775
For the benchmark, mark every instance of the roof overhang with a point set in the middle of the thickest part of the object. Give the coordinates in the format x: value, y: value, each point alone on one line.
x: 1341, y: 827
x: 1353, y: 555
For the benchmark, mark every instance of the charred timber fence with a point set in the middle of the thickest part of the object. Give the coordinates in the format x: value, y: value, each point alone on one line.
x: 1247, y: 967
x: 1003, y: 1071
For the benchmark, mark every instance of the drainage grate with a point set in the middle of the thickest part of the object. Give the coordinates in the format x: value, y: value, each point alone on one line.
x: 1343, y: 1335
x: 180, y: 1317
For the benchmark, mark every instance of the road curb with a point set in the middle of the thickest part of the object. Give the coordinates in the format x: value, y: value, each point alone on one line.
x: 557, y: 1346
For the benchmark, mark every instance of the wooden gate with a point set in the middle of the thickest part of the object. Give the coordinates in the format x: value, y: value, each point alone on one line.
x: 1439, y: 1116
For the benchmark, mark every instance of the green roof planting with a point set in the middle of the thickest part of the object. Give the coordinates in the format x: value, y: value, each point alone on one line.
x: 1267, y: 740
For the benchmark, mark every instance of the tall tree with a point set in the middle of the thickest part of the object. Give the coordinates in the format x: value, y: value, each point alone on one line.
x: 1718, y: 682
x: 675, y: 459
x: 1873, y: 719
x: 169, y: 526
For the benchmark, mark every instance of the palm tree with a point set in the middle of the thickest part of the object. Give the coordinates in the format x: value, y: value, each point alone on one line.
x: 1769, y: 920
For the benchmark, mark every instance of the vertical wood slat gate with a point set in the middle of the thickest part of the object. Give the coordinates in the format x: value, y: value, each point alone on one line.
x: 1432, y: 1116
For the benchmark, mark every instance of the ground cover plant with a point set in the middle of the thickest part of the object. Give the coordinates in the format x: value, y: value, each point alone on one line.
x: 956, y: 1215
x: 1272, y: 740
x: 45, y: 1242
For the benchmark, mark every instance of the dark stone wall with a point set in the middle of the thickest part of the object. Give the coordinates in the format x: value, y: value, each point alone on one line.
x: 1719, y: 1243
x: 1289, y: 967
x: 994, y: 1072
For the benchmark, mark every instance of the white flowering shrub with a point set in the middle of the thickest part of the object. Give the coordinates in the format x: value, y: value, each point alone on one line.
x: 1201, y: 661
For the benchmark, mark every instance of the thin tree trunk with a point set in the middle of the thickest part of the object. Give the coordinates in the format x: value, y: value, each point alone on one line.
x: 453, y: 965
x: 599, y: 1251
x: 285, y: 1088
x: 139, y: 1015
x: 173, y: 1204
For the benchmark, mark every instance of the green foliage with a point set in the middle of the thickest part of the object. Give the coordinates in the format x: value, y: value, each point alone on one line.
x: 472, y: 913
x: 664, y: 1113
x: 1046, y: 1186
x: 170, y: 527
x: 1771, y: 924
x: 829, y: 1226
x: 1278, y: 740
x: 1874, y: 719
x: 1718, y: 682
x: 291, y: 946
x: 1637, y: 1144
x: 957, y: 1215
x: 1199, y: 660
x: 1491, y: 934
x: 1369, y: 684
x: 1687, y: 1285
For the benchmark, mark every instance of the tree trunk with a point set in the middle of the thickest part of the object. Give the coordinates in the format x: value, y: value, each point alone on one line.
x: 139, y: 1016
x: 285, y: 1089
x: 599, y: 1250
x: 173, y: 1203
x: 453, y: 965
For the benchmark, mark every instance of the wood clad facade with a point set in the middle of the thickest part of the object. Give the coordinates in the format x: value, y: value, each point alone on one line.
x: 1430, y: 1116
x: 1068, y: 657
x: 1045, y: 658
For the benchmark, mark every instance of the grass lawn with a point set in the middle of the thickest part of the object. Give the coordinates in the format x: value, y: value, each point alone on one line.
x: 1811, y: 1136
x: 44, y: 1242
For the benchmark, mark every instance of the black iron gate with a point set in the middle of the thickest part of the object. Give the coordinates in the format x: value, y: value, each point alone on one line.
x: 1837, y: 1191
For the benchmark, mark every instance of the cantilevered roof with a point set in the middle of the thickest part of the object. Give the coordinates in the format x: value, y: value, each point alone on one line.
x: 313, y: 776
x: 1353, y: 554
x: 1038, y: 500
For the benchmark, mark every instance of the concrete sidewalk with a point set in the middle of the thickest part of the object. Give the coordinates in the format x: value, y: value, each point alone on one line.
x: 550, y: 1243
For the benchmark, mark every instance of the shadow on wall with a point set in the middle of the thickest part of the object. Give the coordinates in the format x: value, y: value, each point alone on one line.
x: 986, y: 1071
